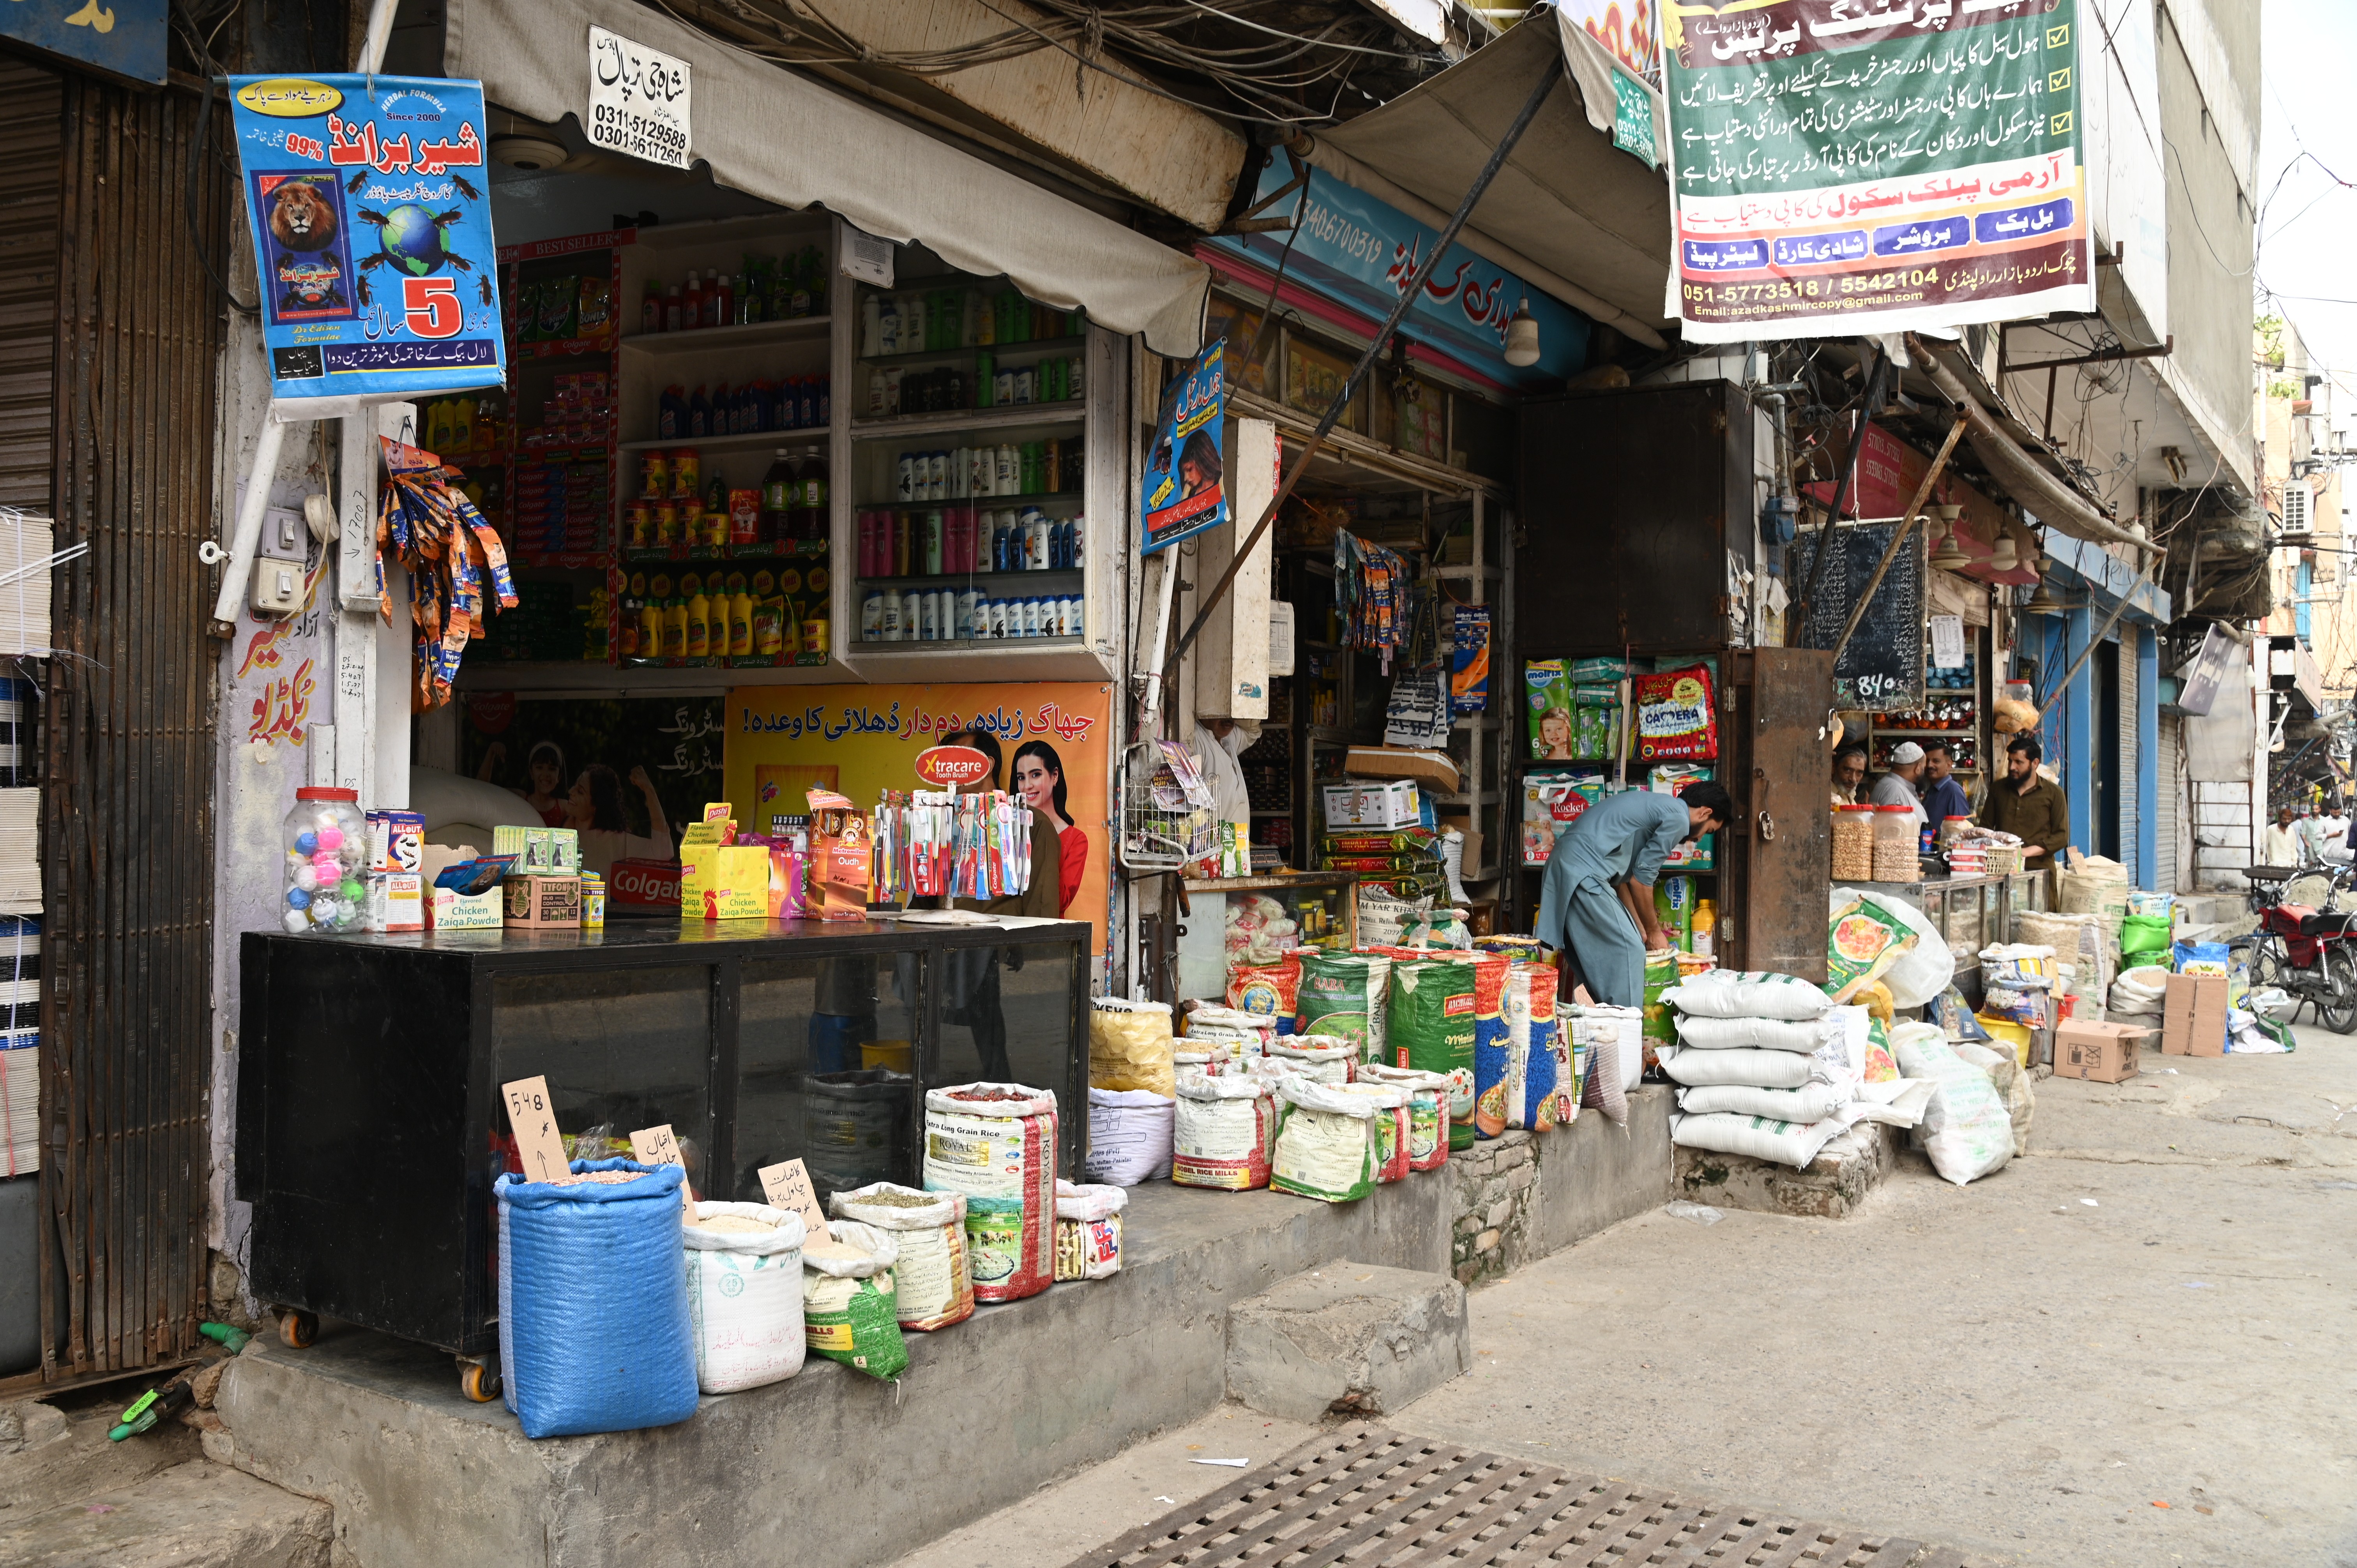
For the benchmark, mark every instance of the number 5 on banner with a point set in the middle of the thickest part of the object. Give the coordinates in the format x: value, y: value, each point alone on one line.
x: 432, y: 306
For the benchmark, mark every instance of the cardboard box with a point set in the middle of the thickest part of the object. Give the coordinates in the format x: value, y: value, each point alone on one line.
x: 1392, y: 805
x: 542, y: 903
x: 396, y: 901
x: 840, y: 859
x: 2101, y: 1053
x: 450, y: 910
x: 724, y: 882
x: 2194, y: 1022
x: 396, y: 841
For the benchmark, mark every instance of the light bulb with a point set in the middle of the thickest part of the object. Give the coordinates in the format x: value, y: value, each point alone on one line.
x: 1522, y: 336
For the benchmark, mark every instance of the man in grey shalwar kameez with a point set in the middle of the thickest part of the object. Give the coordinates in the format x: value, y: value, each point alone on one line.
x: 1597, y: 899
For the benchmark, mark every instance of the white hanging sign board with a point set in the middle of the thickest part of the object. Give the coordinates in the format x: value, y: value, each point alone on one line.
x: 638, y: 100
x: 865, y: 258
x: 1947, y: 642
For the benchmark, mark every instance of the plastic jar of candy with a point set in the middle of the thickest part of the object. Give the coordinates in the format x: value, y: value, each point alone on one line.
x: 325, y: 865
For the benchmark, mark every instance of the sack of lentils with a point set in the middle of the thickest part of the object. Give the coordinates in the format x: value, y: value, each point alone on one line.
x: 848, y: 1312
x: 1088, y: 1230
x: 932, y: 1286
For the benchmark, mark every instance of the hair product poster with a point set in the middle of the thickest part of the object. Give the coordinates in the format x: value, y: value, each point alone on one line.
x: 631, y: 770
x: 1049, y: 742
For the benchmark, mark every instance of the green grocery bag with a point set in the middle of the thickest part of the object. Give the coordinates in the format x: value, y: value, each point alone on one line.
x: 2144, y: 934
x: 1660, y: 973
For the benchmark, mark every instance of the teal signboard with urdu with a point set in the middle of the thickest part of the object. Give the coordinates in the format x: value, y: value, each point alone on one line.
x: 120, y: 37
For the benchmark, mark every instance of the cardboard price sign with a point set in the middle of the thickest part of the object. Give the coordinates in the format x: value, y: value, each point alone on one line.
x: 656, y: 1146
x: 787, y: 1185
x: 532, y: 1117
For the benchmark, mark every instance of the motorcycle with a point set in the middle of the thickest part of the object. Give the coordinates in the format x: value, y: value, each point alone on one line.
x: 2304, y: 944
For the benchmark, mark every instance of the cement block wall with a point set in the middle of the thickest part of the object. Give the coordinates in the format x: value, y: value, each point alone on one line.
x: 1524, y: 1194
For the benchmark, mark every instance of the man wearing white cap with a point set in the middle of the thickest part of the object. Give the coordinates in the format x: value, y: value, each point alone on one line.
x: 1897, y: 788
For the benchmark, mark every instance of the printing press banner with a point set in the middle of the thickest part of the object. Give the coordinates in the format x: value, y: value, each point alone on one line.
x: 1844, y: 166
x: 373, y: 232
x: 1051, y: 741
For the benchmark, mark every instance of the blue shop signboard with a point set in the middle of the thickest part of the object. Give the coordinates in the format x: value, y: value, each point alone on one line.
x: 121, y: 37
x: 1359, y: 252
x: 373, y: 232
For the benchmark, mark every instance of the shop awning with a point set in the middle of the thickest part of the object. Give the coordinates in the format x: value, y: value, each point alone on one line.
x: 1568, y: 208
x: 784, y: 138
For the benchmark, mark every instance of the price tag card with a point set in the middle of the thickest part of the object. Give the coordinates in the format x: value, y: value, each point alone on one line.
x: 1947, y: 642
x: 656, y: 1146
x: 787, y: 1185
x: 531, y: 1116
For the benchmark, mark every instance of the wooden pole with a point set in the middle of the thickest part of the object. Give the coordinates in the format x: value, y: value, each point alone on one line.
x: 1899, y: 541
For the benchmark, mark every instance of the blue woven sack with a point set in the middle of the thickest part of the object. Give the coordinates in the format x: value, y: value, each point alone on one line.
x: 592, y: 1302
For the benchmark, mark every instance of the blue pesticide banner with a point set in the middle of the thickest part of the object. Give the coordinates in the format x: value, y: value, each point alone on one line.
x: 1186, y: 489
x: 1360, y: 252
x: 372, y: 234
x: 120, y: 37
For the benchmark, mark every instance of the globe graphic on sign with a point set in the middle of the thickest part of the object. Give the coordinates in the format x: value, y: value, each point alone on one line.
x: 412, y: 238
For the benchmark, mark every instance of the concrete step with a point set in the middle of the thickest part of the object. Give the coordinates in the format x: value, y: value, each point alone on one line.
x: 1832, y: 1188
x: 1348, y: 1339
x: 49, y: 1457
x: 194, y: 1515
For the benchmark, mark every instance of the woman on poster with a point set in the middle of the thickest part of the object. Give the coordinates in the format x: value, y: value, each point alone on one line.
x: 594, y: 810
x: 544, y: 767
x: 972, y: 995
x: 1039, y: 779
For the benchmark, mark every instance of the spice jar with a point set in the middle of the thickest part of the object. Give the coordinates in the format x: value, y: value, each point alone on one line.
x: 1896, y: 853
x: 1853, y: 843
x: 326, y: 843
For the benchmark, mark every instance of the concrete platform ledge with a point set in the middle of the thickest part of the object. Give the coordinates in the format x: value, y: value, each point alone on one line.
x: 1348, y: 1339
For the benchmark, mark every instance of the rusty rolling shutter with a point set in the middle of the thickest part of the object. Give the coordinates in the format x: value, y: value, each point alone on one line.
x: 30, y: 128
x: 127, y: 804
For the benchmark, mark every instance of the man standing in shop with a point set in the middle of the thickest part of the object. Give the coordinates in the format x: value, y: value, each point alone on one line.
x: 2029, y: 805
x: 1897, y: 788
x: 1943, y: 797
x: 1596, y: 903
x: 1850, y: 773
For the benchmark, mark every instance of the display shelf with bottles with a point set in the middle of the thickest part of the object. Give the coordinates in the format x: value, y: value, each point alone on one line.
x: 972, y: 476
x: 726, y: 618
x: 557, y: 431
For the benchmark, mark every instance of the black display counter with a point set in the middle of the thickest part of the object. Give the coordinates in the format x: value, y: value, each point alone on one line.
x: 368, y: 1123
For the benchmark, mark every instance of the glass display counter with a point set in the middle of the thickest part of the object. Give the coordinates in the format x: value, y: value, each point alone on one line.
x: 370, y: 1128
x: 1237, y: 920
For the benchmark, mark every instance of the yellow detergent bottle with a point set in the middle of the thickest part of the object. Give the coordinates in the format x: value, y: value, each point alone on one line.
x: 674, y: 637
x: 699, y: 621
x: 740, y: 616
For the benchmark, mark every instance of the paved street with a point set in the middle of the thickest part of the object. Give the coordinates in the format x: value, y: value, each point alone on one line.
x: 2008, y: 1368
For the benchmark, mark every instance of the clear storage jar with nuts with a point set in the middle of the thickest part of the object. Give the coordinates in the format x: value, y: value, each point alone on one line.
x: 1896, y: 853
x: 1853, y: 843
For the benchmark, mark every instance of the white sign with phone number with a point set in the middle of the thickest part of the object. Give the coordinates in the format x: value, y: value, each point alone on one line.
x: 638, y: 100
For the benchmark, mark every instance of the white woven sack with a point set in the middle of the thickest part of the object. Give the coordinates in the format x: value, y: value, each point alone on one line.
x: 1129, y: 1136
x: 1757, y: 1136
x: 1967, y: 1129
x: 1765, y: 1033
x: 1809, y: 1102
x: 1923, y: 971
x: 1723, y: 993
x: 745, y: 1297
x: 1757, y: 1068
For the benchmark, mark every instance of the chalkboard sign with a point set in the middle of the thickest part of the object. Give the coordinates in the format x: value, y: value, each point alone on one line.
x: 1882, y: 668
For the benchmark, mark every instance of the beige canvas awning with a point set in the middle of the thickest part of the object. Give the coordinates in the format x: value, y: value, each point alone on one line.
x: 780, y: 136
x: 1571, y: 212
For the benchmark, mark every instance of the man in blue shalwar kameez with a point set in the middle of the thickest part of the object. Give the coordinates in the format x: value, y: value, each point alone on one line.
x: 1596, y: 902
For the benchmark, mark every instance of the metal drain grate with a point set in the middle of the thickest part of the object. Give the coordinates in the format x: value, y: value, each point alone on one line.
x: 1362, y: 1496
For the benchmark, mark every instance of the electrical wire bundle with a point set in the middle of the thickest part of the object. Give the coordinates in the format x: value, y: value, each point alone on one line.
x: 428, y: 525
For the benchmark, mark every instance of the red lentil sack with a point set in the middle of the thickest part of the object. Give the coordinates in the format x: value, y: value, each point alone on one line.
x: 1223, y: 1132
x: 995, y: 1143
x: 1427, y: 1113
x: 1490, y: 1117
x: 1429, y: 1021
x: 1676, y: 721
x: 579, y: 1361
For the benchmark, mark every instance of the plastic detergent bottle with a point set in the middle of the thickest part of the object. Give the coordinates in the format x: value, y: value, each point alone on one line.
x: 740, y: 616
x: 779, y: 490
x: 1706, y: 927
x: 675, y: 636
x: 699, y: 621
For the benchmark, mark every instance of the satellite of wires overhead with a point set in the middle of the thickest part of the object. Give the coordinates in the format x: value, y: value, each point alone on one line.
x: 1265, y: 61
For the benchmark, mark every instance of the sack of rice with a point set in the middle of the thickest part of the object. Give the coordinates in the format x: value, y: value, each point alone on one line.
x: 849, y: 1314
x: 1342, y: 994
x: 932, y: 1286
x: 1268, y: 988
x: 1490, y: 970
x: 1661, y: 978
x: 1223, y: 1132
x: 744, y: 1294
x: 1785, y: 1143
x: 1723, y: 993
x: 1329, y: 1059
x: 1326, y: 1140
x: 1430, y: 1019
x: 1624, y: 1026
x: 1088, y: 1231
x: 1129, y: 1136
x: 579, y: 1361
x: 1230, y: 1029
x: 1428, y: 1112
x: 1129, y: 1045
x: 1567, y: 1087
x: 1530, y: 1065
x: 1394, y: 1145
x: 995, y: 1143
x: 1762, y: 1034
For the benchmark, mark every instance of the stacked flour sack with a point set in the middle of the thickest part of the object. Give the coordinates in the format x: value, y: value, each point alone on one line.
x: 1768, y: 1067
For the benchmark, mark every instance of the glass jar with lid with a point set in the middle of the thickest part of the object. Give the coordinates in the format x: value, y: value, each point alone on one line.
x: 1896, y: 847
x: 1853, y: 843
x: 325, y: 840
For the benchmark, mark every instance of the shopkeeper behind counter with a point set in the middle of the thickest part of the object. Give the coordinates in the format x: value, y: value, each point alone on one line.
x: 1595, y: 904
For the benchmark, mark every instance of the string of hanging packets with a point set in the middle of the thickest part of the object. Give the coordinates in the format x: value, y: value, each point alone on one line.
x: 425, y: 522
x: 1376, y: 594
x: 933, y: 845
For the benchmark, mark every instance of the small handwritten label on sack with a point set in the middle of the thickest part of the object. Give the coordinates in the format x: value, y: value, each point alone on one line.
x: 656, y: 1146
x: 787, y: 1185
x: 532, y: 1117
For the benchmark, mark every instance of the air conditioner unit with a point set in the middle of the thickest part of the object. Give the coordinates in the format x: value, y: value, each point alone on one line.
x: 2298, y: 516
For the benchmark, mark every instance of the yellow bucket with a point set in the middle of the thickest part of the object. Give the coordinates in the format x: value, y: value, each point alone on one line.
x: 2013, y: 1034
x: 898, y: 1055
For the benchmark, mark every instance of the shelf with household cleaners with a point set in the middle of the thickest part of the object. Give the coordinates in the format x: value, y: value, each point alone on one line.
x: 976, y: 545
x: 965, y: 343
x: 728, y: 618
x: 559, y: 442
